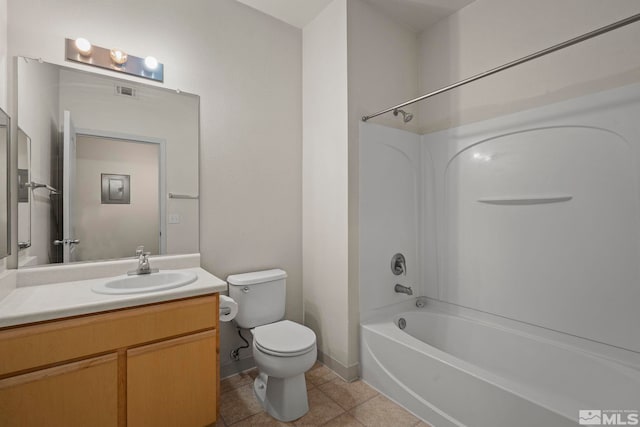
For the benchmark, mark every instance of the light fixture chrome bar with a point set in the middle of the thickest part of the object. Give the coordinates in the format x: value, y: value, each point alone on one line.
x: 114, y: 60
x: 575, y: 40
x: 182, y: 196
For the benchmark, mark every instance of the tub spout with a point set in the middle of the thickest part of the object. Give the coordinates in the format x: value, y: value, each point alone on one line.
x: 403, y: 289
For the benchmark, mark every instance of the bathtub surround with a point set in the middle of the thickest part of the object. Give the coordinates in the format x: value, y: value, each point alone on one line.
x: 522, y: 240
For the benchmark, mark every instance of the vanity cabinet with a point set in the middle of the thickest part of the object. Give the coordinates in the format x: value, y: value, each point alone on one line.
x: 152, y: 365
x: 165, y: 382
x: 82, y: 393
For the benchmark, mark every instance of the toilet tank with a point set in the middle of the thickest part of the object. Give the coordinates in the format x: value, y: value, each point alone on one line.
x: 260, y: 295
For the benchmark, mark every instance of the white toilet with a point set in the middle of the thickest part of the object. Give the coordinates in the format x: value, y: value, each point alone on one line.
x: 283, y: 350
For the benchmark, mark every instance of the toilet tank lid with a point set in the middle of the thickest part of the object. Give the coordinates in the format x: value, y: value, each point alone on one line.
x: 256, y: 277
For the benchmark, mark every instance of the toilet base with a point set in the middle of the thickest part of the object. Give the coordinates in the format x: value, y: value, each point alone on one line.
x: 285, y: 399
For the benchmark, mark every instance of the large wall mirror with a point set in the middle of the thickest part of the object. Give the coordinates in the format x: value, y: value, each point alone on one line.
x: 4, y: 181
x: 104, y: 165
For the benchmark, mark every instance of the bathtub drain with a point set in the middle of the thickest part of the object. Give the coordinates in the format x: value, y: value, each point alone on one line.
x: 402, y: 323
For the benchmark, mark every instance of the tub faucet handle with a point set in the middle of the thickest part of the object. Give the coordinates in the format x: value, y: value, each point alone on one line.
x: 398, y: 265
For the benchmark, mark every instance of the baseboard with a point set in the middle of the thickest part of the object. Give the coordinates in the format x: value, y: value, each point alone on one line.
x: 233, y: 368
x: 347, y: 373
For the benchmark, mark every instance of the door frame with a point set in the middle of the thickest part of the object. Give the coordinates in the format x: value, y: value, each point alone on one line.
x: 162, y: 167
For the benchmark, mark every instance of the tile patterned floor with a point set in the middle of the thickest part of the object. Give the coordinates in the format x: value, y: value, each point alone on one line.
x: 332, y: 401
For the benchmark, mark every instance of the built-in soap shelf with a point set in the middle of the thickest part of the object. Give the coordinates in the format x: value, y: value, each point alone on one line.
x: 526, y: 200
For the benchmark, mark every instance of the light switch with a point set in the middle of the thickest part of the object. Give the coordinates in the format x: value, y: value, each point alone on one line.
x: 174, y: 218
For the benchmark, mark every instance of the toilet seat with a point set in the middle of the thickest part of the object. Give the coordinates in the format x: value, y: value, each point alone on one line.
x: 284, y: 339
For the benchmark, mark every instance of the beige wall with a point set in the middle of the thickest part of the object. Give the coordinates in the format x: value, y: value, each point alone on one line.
x: 3, y: 55
x: 115, y: 230
x: 153, y: 113
x: 325, y: 186
x: 246, y: 67
x: 489, y: 33
x: 355, y: 61
x: 383, y: 71
x: 3, y: 73
x: 38, y: 118
x: 24, y: 208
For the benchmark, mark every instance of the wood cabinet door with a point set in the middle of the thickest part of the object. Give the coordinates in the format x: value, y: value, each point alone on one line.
x: 83, y: 393
x: 173, y: 382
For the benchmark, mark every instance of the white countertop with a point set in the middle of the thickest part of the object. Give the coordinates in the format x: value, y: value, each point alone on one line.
x: 36, y: 303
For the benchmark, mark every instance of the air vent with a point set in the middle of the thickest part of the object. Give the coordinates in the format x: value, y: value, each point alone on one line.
x: 126, y: 91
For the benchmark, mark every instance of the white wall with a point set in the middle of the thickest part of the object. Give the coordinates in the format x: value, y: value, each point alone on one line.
x: 383, y: 70
x: 39, y: 119
x: 325, y: 181
x: 376, y: 65
x: 489, y: 33
x: 246, y: 67
x: 108, y: 231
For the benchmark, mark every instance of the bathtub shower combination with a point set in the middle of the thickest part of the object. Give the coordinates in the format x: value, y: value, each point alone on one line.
x: 521, y: 238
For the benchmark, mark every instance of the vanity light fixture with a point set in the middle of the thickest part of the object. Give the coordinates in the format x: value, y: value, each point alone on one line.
x: 117, y: 56
x: 84, y: 47
x: 80, y: 50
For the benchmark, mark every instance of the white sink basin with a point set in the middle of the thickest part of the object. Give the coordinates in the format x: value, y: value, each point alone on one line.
x: 153, y: 282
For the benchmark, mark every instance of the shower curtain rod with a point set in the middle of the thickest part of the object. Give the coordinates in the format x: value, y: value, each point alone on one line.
x: 522, y: 60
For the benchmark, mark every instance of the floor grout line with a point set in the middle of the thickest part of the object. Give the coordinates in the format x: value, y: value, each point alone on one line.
x: 317, y: 386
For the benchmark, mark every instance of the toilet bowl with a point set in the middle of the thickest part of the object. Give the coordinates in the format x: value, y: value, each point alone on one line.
x: 282, y: 350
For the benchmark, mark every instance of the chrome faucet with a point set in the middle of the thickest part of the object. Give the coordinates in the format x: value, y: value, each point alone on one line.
x: 398, y: 265
x: 403, y: 289
x: 143, y: 263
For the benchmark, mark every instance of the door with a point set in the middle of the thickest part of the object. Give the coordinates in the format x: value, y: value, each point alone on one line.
x: 69, y: 241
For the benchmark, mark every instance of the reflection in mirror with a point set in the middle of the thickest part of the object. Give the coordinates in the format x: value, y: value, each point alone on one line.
x: 4, y: 180
x: 105, y: 154
x: 24, y: 197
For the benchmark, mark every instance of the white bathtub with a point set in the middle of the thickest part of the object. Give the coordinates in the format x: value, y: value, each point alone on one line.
x: 452, y: 370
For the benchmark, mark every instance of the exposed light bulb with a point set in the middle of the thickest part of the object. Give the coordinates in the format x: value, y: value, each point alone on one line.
x: 117, y: 56
x: 83, y: 46
x: 150, y: 63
